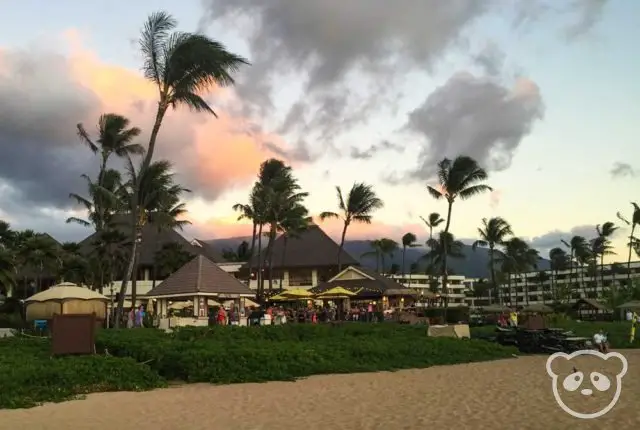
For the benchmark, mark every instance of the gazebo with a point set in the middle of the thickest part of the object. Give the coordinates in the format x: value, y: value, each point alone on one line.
x: 198, y: 281
x: 591, y: 309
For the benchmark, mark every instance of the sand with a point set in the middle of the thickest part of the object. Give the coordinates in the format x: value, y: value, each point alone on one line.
x: 506, y: 394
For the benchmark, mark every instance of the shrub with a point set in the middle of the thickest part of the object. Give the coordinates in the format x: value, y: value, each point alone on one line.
x: 230, y: 354
x: 29, y: 376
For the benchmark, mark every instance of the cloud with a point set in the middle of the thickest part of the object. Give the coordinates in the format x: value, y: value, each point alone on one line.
x: 371, y: 151
x: 352, y: 55
x: 622, y: 170
x: 474, y: 116
x: 44, y: 95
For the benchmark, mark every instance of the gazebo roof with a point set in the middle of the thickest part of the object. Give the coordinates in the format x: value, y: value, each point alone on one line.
x: 200, y: 276
x: 368, y: 283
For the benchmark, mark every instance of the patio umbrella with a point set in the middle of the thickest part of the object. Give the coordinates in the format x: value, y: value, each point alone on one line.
x: 66, y: 291
x: 538, y: 308
x: 280, y: 298
x: 296, y: 293
x: 336, y: 293
x: 496, y: 309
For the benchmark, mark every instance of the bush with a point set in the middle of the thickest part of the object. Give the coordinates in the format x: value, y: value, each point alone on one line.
x: 618, y: 331
x: 29, y: 376
x: 230, y: 354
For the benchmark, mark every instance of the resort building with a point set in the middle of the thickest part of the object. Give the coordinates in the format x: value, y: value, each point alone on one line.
x: 457, y: 291
x: 568, y: 285
x: 149, y: 274
x: 301, y: 262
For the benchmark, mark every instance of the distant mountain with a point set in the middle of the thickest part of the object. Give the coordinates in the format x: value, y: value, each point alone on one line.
x: 474, y: 265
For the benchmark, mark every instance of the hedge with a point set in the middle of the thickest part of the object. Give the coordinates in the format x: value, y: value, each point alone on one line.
x: 140, y: 359
x: 29, y: 376
x: 257, y: 354
x: 618, y: 331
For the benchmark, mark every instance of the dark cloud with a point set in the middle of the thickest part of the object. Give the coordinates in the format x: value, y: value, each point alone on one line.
x: 478, y: 117
x: 352, y: 54
x: 371, y: 151
x: 553, y: 239
x: 622, y: 170
x: 40, y: 105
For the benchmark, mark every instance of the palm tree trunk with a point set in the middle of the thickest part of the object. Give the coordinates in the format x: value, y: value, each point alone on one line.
x: 341, y: 247
x: 272, y: 239
x: 494, y: 285
x: 445, y: 274
x: 602, y: 271
x: 633, y: 227
x: 253, y: 250
x: 259, y: 277
x: 125, y: 280
x: 162, y: 109
x: 404, y: 251
x: 134, y: 281
x: 284, y: 253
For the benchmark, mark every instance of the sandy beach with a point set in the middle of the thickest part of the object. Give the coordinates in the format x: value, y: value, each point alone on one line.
x: 513, y: 393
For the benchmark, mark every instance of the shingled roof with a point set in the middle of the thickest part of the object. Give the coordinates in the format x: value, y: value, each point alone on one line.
x: 312, y: 248
x: 203, y: 276
x: 152, y: 241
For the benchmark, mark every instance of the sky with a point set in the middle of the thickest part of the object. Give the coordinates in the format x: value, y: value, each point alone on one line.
x: 542, y: 93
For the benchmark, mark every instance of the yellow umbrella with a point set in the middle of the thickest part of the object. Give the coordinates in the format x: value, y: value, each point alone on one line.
x: 336, y: 292
x: 279, y: 298
x: 296, y: 292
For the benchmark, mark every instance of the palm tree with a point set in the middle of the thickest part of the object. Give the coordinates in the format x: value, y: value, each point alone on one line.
x: 517, y: 258
x: 440, y: 249
x: 7, y: 271
x: 460, y: 178
x: 295, y: 220
x: 170, y: 257
x: 170, y: 218
x: 432, y: 221
x: 388, y: 247
x: 408, y: 241
x: 115, y: 136
x: 494, y: 232
x: 147, y: 191
x: 41, y: 253
x: 601, y: 245
x: 358, y: 207
x: 247, y: 211
x: 376, y: 251
x: 577, y: 245
x: 635, y: 221
x: 183, y: 66
x: 558, y: 261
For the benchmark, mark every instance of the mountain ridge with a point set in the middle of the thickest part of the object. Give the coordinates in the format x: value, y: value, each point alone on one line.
x: 475, y: 264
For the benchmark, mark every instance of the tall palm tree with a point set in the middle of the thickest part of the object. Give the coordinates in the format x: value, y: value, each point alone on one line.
x: 376, y: 252
x: 147, y: 191
x: 459, y: 178
x: 558, y: 261
x: 295, y: 220
x: 408, y: 241
x: 183, y: 66
x: 7, y: 271
x: 247, y: 211
x: 358, y: 207
x: 41, y: 253
x: 633, y: 222
x: 493, y: 232
x: 388, y: 248
x: 601, y: 245
x: 576, y: 245
x: 518, y: 257
x: 584, y: 259
x: 440, y: 249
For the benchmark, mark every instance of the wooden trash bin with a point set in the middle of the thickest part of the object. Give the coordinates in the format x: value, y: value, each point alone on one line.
x: 73, y: 334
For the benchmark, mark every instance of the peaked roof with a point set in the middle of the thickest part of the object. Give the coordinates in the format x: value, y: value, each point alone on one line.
x: 312, y: 248
x: 200, y: 275
x: 370, y: 281
x: 152, y: 241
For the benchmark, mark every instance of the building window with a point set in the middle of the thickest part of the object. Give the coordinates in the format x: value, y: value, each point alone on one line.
x: 300, y: 278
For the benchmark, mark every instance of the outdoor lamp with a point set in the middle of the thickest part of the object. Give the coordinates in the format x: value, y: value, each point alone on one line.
x: 402, y: 299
